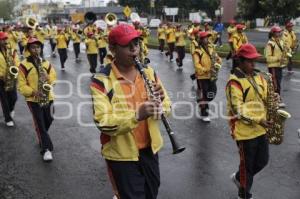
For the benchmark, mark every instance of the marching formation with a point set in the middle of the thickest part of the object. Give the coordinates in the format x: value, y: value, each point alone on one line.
x: 129, y: 99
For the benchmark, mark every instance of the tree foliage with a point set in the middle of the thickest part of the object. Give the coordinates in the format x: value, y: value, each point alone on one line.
x: 185, y: 6
x: 285, y: 9
x: 6, y: 8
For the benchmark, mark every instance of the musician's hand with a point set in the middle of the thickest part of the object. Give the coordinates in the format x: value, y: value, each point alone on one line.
x: 158, y: 91
x: 147, y: 109
x: 266, y: 124
x: 36, y: 94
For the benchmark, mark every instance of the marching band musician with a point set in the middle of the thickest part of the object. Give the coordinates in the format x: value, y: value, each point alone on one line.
x: 205, y: 61
x: 214, y: 35
x: 76, y: 38
x: 291, y: 41
x: 130, y: 136
x: 21, y: 36
x: 52, y: 34
x: 90, y: 28
x: 12, y: 36
x: 61, y: 45
x: 231, y: 30
x: 180, y: 44
x: 102, y: 45
x: 193, y: 46
x: 29, y: 33
x: 8, y: 93
x: 35, y: 72
x: 246, y: 92
x: 238, y: 39
x: 170, y: 38
x: 161, y: 35
x: 143, y: 42
x: 91, y: 43
x: 275, y: 53
x: 41, y: 35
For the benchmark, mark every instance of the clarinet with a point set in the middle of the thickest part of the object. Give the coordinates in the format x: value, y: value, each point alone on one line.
x: 175, y: 145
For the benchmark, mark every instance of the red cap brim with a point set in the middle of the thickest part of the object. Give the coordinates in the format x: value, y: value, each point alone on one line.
x: 125, y: 40
x: 253, y: 56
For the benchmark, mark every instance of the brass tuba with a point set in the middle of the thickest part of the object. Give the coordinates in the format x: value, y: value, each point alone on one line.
x: 90, y: 17
x: 31, y: 23
x: 111, y: 19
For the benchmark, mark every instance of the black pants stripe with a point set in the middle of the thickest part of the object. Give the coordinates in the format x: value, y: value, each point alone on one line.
x: 92, y: 58
x: 42, y: 117
x: 206, y: 92
x: 277, y: 77
x: 21, y: 48
x: 63, y: 56
x: 161, y: 45
x: 102, y: 55
x: 76, y: 47
x: 181, y: 53
x: 137, y: 179
x: 254, y: 156
x: 171, y: 50
x: 53, y: 45
x: 8, y: 100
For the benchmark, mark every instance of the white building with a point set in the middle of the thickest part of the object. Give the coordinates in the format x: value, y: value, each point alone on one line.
x: 93, y: 3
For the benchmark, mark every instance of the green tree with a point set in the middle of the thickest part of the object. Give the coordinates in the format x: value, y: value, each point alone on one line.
x: 6, y: 8
x: 280, y: 10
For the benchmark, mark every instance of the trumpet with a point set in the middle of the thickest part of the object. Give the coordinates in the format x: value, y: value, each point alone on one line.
x: 175, y: 145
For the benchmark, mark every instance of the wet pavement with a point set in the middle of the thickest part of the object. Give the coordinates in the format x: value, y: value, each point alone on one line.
x: 201, y: 172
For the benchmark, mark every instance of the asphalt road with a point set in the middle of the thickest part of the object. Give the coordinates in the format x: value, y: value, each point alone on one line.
x: 202, y: 171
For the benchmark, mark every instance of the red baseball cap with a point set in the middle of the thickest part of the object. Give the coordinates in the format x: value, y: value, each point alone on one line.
x: 232, y: 21
x: 3, y: 36
x: 248, y: 51
x: 123, y: 34
x: 204, y: 34
x: 240, y: 26
x: 33, y: 40
x: 289, y: 24
x: 90, y: 34
x: 276, y: 29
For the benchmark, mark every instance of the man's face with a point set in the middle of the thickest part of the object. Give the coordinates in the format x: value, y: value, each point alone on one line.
x: 35, y: 49
x: 289, y: 28
x: 125, y: 54
x: 248, y: 66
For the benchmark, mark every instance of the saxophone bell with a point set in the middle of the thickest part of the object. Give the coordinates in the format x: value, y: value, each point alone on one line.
x: 14, y: 71
x: 47, y: 87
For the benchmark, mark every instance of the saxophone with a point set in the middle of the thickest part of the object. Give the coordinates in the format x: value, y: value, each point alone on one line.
x: 215, y: 66
x: 13, y: 71
x: 44, y: 88
x: 278, y: 116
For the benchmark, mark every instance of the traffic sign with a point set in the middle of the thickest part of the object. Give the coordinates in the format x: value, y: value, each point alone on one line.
x: 127, y: 11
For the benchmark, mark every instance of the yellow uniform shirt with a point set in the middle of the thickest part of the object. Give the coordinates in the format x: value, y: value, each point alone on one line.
x: 202, y: 62
x: 4, y: 67
x: 161, y: 33
x: 28, y: 78
x: 244, y: 105
x: 76, y: 37
x: 231, y: 30
x: 274, y: 53
x: 111, y: 107
x: 290, y: 39
x: 40, y: 35
x: 180, y: 38
x: 102, y: 40
x: 238, y: 39
x: 61, y: 41
x: 91, y: 46
x: 170, y: 35
x: 13, y: 39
